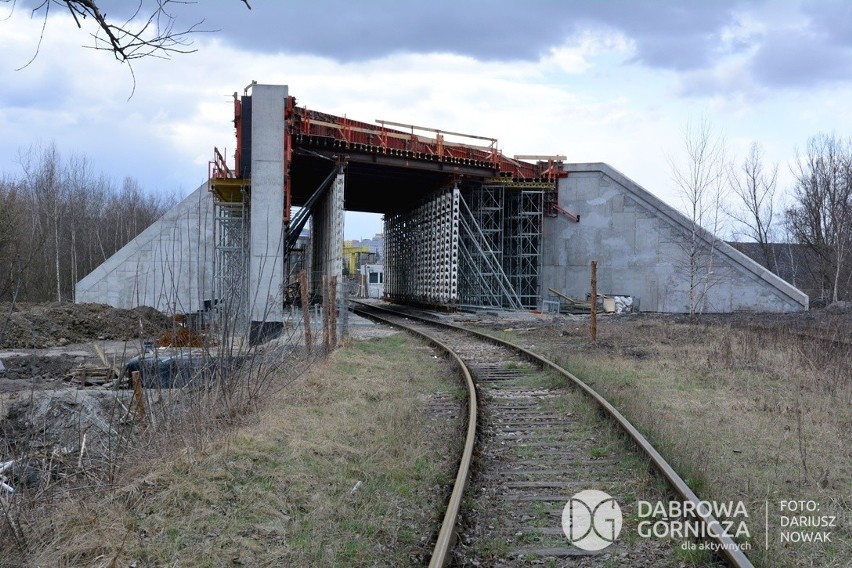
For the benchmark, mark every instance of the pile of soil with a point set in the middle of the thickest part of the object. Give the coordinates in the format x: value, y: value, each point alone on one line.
x: 40, y: 326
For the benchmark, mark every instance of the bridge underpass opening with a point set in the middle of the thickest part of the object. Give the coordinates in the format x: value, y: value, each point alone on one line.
x: 462, y: 221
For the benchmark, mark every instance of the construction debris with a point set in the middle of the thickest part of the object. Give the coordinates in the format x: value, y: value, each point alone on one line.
x: 168, y: 367
x: 569, y: 305
x: 90, y: 375
x: 619, y: 304
x: 180, y: 337
x: 606, y: 303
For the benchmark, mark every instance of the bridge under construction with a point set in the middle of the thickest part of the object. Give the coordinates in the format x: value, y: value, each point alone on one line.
x: 463, y: 222
x: 464, y: 225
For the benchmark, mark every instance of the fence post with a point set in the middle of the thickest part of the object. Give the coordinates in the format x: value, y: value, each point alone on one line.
x: 593, y: 323
x: 140, y: 400
x: 306, y: 310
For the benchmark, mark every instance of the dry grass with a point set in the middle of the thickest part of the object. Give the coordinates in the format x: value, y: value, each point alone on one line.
x: 332, y: 473
x: 754, y: 415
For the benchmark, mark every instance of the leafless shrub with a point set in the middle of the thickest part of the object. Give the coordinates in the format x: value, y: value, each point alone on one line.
x: 218, y: 386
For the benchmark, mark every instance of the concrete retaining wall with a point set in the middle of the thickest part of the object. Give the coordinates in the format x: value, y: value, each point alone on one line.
x: 169, y: 266
x: 638, y: 242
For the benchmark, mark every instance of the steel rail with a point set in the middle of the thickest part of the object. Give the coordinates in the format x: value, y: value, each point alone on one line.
x: 446, y: 535
x: 727, y: 547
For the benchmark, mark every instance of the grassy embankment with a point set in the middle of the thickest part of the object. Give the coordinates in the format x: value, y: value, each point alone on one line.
x: 335, y: 471
x: 757, y: 416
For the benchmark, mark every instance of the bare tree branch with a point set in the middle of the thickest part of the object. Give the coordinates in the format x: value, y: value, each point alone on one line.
x: 46, y: 6
x: 151, y: 31
x: 755, y: 187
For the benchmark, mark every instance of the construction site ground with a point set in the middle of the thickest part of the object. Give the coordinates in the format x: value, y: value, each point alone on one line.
x: 42, y: 343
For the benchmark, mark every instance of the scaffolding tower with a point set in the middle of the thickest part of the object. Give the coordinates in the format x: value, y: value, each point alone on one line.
x: 475, y: 247
x: 230, y: 268
x: 522, y: 237
x: 483, y: 277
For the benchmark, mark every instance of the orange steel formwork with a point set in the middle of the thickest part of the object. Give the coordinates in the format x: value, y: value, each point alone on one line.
x: 307, y: 128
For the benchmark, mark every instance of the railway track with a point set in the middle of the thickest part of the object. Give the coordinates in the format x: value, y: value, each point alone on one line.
x: 536, y: 446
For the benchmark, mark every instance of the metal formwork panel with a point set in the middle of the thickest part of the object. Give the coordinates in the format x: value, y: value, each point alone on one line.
x: 421, y: 252
x: 478, y: 248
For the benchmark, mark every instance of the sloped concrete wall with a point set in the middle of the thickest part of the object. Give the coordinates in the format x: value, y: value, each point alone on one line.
x: 169, y: 266
x: 638, y: 242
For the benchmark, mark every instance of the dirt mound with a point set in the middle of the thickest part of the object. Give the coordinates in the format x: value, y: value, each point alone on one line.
x: 39, y: 326
x: 47, y: 432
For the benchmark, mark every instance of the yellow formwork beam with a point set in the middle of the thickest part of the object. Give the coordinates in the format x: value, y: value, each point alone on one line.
x: 230, y: 190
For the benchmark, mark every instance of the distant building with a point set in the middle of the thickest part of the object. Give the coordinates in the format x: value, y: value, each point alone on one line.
x: 376, y: 244
x: 372, y: 281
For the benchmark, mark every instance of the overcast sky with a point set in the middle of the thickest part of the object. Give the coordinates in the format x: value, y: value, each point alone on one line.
x: 606, y: 81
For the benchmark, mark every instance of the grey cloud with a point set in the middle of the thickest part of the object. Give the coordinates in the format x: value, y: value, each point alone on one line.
x: 682, y: 36
x: 666, y: 35
x: 801, y: 59
x: 832, y: 20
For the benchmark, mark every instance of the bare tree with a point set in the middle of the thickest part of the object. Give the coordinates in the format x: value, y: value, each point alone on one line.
x: 700, y: 180
x: 755, y: 186
x: 42, y: 167
x: 822, y: 216
x: 59, y: 221
x: 12, y: 244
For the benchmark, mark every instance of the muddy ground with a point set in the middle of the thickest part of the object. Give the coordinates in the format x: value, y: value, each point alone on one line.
x: 831, y: 323
x: 40, y: 344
